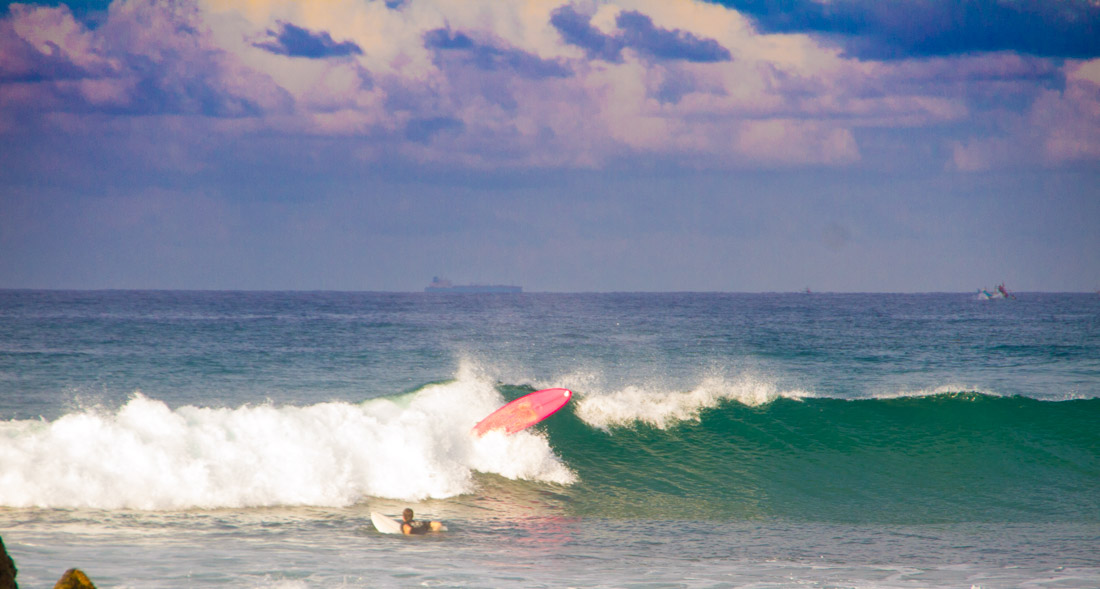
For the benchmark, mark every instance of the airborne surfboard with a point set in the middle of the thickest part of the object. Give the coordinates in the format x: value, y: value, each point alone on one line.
x: 524, y: 411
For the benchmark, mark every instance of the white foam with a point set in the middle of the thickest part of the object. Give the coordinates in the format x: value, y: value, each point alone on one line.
x: 148, y: 456
x: 929, y: 392
x: 662, y: 409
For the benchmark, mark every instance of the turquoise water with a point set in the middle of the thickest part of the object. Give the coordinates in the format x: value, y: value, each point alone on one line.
x: 945, y: 458
x: 164, y: 439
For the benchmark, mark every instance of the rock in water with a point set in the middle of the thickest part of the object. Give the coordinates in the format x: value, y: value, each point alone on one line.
x: 74, y: 579
x: 7, y: 569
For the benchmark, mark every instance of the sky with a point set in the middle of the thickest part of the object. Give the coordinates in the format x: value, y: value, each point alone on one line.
x: 559, y: 145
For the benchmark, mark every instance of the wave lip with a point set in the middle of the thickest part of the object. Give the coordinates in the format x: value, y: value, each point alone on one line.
x: 662, y: 409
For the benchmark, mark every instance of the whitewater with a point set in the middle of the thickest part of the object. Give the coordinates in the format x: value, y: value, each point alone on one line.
x: 147, y: 456
x: 166, y: 439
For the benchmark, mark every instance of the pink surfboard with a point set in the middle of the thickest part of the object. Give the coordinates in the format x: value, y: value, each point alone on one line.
x: 524, y: 411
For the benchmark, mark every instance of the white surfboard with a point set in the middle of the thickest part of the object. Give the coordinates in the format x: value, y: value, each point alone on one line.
x: 386, y: 525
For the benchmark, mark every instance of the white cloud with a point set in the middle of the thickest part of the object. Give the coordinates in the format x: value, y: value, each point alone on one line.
x: 1061, y: 126
x: 779, y: 99
x: 793, y: 142
x: 53, y: 32
x: 1071, y: 118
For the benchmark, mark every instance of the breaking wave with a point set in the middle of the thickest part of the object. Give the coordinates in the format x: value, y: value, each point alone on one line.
x: 146, y: 455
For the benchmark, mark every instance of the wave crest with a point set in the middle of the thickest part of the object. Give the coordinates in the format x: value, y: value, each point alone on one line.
x: 663, y: 409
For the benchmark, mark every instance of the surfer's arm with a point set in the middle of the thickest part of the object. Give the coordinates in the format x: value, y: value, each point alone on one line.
x: 406, y: 529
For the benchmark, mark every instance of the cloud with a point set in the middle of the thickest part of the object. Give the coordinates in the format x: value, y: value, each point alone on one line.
x: 295, y: 41
x: 46, y: 44
x: 1058, y: 127
x: 145, y: 59
x: 636, y: 31
x: 492, y: 85
x: 792, y: 142
x: 900, y: 29
x: 422, y: 130
x: 1060, y: 112
x: 490, y: 58
x: 577, y: 29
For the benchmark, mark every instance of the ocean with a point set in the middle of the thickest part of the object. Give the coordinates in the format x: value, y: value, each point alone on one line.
x: 241, y: 439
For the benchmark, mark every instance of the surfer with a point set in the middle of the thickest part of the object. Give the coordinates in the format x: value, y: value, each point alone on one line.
x: 411, y: 526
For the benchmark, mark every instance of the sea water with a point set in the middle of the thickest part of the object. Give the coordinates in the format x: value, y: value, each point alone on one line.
x: 241, y: 439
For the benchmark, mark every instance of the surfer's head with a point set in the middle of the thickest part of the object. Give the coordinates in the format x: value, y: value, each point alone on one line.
x: 407, y: 514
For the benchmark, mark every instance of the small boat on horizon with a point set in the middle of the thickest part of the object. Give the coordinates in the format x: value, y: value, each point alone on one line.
x: 998, y: 293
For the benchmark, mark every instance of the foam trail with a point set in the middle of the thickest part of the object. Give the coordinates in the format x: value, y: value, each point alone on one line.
x: 936, y: 391
x: 663, y: 409
x: 150, y: 457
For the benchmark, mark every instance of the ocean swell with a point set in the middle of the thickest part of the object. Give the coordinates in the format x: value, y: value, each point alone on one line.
x: 947, y: 457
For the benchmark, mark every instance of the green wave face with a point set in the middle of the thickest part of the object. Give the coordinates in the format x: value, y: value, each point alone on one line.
x: 960, y: 457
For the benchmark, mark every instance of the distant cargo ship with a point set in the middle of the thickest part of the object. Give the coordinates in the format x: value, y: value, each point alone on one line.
x: 444, y: 285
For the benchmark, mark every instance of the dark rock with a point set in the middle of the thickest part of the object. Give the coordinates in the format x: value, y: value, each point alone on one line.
x: 74, y: 579
x: 7, y: 569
